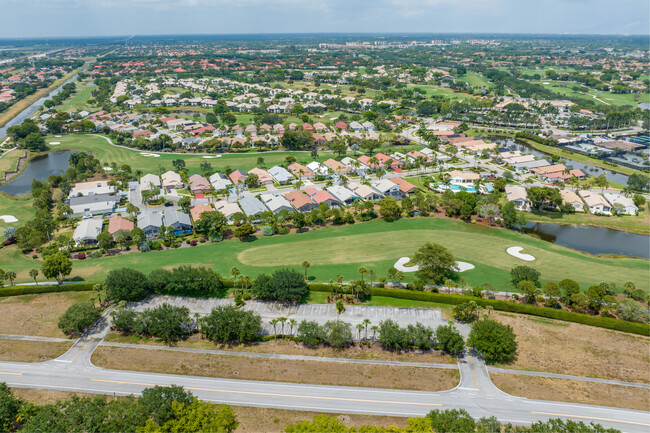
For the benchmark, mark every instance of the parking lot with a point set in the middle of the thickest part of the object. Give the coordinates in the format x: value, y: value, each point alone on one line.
x: 320, y: 313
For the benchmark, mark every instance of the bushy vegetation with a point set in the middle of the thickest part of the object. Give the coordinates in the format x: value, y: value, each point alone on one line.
x: 227, y: 324
x: 78, y: 318
x: 284, y: 285
x: 495, y: 341
x: 167, y: 322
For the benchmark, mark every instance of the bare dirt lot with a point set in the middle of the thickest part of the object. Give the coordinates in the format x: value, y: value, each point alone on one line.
x: 573, y: 391
x: 283, y: 370
x: 287, y: 347
x: 37, y: 314
x: 570, y: 348
x: 31, y: 351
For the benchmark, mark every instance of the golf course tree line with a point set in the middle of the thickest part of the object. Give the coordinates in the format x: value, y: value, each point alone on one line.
x: 159, y: 409
x: 230, y: 324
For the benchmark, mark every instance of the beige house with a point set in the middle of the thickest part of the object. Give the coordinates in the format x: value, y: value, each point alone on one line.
x: 573, y: 199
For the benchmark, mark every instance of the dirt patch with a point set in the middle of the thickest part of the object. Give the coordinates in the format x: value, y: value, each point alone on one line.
x: 45, y: 396
x: 255, y: 419
x: 570, y: 348
x: 286, y: 347
x: 37, y: 314
x: 31, y: 351
x: 282, y: 370
x: 573, y: 391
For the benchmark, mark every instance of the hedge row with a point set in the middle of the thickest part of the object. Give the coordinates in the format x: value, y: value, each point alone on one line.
x: 48, y: 288
x: 512, y: 307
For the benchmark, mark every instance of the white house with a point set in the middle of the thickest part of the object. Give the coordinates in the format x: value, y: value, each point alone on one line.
x: 387, y: 188
x: 281, y: 174
x: 91, y: 188
x: 149, y: 182
x: 87, y: 231
x: 596, y: 203
x: 276, y: 202
x: 621, y: 204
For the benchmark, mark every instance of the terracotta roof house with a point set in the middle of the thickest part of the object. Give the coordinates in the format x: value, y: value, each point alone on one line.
x: 336, y: 166
x: 404, y: 185
x: 197, y: 210
x: 264, y: 178
x: 383, y: 158
x: 341, y: 125
x: 292, y: 126
x: 365, y: 160
x: 322, y: 197
x: 238, y: 177
x: 319, y: 140
x: 278, y: 128
x: 199, y: 184
x: 300, y: 201
x: 265, y: 128
x: 307, y: 127
x: 300, y: 171
x: 119, y: 226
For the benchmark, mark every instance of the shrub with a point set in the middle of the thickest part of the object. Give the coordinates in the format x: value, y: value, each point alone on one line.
x: 284, y: 285
x: 186, y: 280
x: 467, y: 312
x: 78, y: 318
x: 227, y: 323
x: 126, y: 284
x: 450, y: 340
x: 268, y: 231
x: 81, y: 256
x: 451, y: 421
x: 337, y: 334
x: 311, y: 333
x: 494, y: 341
x: 521, y: 273
x: 193, y: 243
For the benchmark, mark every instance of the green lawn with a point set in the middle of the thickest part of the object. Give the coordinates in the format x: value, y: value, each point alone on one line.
x: 566, y: 88
x: 375, y: 245
x: 476, y: 80
x: 9, y: 161
x: 107, y: 153
x: 21, y: 209
x: 79, y: 101
x: 442, y: 91
x: 634, y: 223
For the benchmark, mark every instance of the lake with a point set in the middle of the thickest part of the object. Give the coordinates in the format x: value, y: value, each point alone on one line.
x: 593, y: 240
x: 39, y: 168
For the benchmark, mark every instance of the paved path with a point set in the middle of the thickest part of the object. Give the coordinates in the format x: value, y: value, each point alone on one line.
x: 569, y: 377
x: 34, y: 338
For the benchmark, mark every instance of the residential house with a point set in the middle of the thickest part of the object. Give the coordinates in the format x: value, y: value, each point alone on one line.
x: 356, y: 126
x: 276, y: 202
x: 364, y: 192
x: 278, y: 128
x: 573, y: 199
x: 318, y: 126
x: 405, y: 186
x: 300, y: 171
x: 171, y: 180
x: 198, y: 210
x: 280, y: 174
x: 368, y: 126
x: 596, y: 203
x: 149, y: 182
x: 264, y: 178
x: 336, y: 166
x: 317, y: 168
x: 220, y: 181
x: 199, y: 184
x: 92, y: 205
x: 87, y: 231
x: 91, y: 188
x: 384, y: 159
x: 238, y: 177
x: 227, y: 209
x: 301, y: 201
x: 119, y: 226
x: 342, y: 194
x: 387, y: 188
x: 341, y: 125
x: 322, y: 197
x: 251, y: 206
x: 178, y: 220
x: 355, y: 166
x: 462, y: 177
x: 150, y: 223
x: 621, y: 204
x: 518, y: 195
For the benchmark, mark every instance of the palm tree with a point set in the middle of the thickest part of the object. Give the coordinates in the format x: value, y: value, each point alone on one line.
x: 359, y: 329
x: 366, y: 322
x: 372, y: 275
x: 374, y: 328
x: 340, y: 308
x: 11, y: 276
x: 282, y: 320
x: 197, y: 321
x: 274, y: 323
x: 305, y: 265
x: 362, y: 271
x: 235, y: 273
x: 34, y: 273
x: 292, y: 323
x: 121, y: 240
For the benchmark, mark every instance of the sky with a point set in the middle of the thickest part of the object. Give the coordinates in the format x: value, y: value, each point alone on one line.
x: 56, y: 18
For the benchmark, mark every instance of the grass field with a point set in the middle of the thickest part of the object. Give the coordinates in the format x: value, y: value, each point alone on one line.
x: 476, y: 80
x: 567, y: 89
x: 442, y: 91
x: 554, y: 346
x: 79, y: 101
x: 108, y: 153
x: 9, y: 160
x: 375, y: 245
x: 21, y: 209
x: 31, y: 351
x: 37, y: 314
x: 282, y: 370
x: 573, y: 391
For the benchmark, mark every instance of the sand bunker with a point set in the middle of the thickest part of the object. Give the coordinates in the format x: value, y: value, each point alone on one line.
x: 516, y: 252
x: 208, y: 157
x: 54, y: 143
x: 400, y: 266
x: 149, y: 154
x: 8, y: 218
x: 108, y: 168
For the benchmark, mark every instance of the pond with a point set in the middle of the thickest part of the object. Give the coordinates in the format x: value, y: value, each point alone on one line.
x: 586, y: 168
x: 593, y: 240
x: 38, y: 168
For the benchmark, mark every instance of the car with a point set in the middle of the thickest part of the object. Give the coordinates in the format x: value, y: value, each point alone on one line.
x: 169, y: 203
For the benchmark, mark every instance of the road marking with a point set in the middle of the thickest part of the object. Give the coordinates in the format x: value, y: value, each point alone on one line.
x: 591, y: 417
x: 475, y: 381
x: 13, y: 374
x: 274, y: 394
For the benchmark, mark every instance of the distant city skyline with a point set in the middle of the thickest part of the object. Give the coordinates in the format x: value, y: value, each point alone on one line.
x: 79, y: 18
